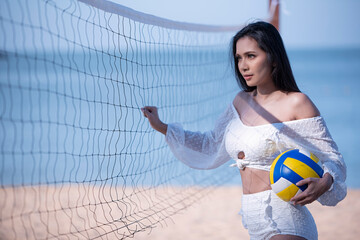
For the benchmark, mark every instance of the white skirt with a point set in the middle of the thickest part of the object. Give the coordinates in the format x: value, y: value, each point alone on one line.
x: 265, y: 215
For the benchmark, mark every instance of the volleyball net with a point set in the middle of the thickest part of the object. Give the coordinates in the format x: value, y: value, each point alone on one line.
x: 78, y: 159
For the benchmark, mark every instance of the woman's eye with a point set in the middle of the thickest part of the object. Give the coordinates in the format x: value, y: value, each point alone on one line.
x: 251, y: 56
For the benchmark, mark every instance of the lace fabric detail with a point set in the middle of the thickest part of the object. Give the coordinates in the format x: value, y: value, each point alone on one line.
x: 265, y: 215
x: 257, y: 143
x: 200, y: 150
x: 261, y: 144
x: 313, y: 135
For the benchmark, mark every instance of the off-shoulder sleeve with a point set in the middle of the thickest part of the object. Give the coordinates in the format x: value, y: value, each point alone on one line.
x: 313, y: 135
x: 200, y: 150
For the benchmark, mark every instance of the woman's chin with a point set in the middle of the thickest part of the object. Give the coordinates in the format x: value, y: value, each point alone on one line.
x: 250, y: 84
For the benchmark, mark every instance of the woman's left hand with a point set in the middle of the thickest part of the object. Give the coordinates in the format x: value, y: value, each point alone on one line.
x: 316, y: 188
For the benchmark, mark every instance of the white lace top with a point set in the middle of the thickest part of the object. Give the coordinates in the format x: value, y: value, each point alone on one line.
x: 260, y: 144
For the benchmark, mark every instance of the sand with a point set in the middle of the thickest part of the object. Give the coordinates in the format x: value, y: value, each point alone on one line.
x: 215, y: 218
x: 89, y: 212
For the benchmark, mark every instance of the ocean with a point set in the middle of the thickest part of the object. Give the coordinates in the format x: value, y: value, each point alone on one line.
x: 73, y: 130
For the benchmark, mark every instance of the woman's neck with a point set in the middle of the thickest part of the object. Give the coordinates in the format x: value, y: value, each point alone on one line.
x: 263, y: 94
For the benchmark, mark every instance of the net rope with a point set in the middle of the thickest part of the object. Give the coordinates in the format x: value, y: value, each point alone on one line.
x: 78, y: 159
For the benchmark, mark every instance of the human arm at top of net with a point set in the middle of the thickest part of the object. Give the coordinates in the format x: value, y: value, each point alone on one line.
x: 200, y: 150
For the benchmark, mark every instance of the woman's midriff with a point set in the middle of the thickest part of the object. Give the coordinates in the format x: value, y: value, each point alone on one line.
x: 255, y: 180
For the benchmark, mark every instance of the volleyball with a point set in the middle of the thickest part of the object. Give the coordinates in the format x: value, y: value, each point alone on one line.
x: 291, y: 167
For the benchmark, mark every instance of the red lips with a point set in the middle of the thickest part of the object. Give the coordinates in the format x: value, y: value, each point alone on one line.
x: 247, y: 77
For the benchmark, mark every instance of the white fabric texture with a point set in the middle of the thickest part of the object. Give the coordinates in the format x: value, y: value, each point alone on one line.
x: 258, y: 143
x: 265, y: 215
x: 261, y: 144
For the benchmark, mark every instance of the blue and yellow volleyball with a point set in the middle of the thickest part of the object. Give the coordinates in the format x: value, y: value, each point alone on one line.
x: 291, y: 167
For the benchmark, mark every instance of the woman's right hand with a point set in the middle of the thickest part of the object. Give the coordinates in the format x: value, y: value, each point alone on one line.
x: 151, y: 113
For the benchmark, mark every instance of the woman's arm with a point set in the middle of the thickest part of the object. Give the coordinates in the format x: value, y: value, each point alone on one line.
x: 330, y: 188
x: 303, y: 108
x: 200, y: 150
x: 151, y: 113
x: 316, y: 188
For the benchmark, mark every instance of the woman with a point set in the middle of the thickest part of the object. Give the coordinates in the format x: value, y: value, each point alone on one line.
x: 269, y: 116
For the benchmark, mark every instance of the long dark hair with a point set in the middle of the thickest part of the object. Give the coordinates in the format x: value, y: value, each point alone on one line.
x: 269, y: 40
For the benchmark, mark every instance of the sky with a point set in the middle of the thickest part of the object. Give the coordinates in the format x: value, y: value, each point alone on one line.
x: 303, y: 24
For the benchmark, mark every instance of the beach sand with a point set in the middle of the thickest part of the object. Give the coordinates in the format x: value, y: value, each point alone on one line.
x: 80, y: 212
x: 215, y: 218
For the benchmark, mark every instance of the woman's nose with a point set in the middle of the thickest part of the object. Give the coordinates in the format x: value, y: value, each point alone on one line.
x: 243, y: 66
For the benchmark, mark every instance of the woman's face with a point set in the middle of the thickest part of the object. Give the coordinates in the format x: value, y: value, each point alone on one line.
x: 253, y: 63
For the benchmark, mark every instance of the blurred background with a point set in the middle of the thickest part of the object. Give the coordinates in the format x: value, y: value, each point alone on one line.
x: 303, y: 24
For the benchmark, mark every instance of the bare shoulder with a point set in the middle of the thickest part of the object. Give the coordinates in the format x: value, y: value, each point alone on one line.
x: 240, y: 98
x: 302, y: 106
